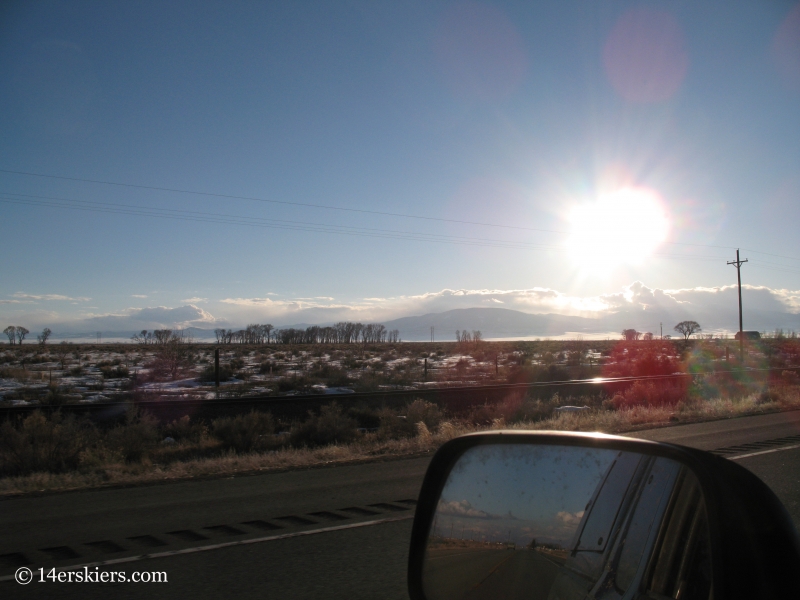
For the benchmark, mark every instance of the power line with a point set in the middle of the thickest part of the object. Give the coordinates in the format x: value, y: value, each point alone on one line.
x: 203, y: 217
x: 310, y: 205
x: 286, y: 202
x: 273, y: 224
x: 769, y: 254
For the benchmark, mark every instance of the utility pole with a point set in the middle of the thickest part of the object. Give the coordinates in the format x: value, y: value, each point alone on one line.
x: 661, y: 327
x: 738, y: 264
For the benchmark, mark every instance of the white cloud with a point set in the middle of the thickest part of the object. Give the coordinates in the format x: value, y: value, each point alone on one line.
x: 568, y: 518
x: 461, y: 508
x: 634, y: 305
x: 23, y: 296
x: 138, y: 295
x: 134, y: 319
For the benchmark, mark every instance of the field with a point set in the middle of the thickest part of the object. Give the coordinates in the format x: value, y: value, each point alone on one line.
x: 52, y: 449
x: 92, y: 373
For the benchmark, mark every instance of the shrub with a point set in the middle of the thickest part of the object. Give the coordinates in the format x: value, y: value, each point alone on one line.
x: 42, y: 444
x: 365, y: 416
x: 270, y: 366
x: 13, y: 373
x: 118, y: 372
x: 333, y: 376
x: 648, y: 393
x: 396, y: 426
x: 55, y: 395
x: 536, y: 409
x: 331, y: 426
x: 207, y: 375
x: 183, y: 429
x: 420, y: 411
x: 768, y: 396
x: 136, y: 436
x: 244, y: 433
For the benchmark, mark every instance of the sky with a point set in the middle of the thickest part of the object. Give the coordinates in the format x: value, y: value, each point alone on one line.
x: 220, y: 163
x: 521, y: 491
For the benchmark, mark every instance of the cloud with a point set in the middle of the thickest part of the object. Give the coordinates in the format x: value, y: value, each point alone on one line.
x: 633, y: 306
x: 461, y: 508
x: 23, y: 296
x: 138, y: 295
x: 568, y: 518
x: 135, y: 319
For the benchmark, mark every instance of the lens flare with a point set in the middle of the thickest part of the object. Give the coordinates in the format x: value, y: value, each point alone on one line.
x: 623, y: 227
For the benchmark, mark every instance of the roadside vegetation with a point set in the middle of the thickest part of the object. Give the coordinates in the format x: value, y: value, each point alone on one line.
x: 49, y: 450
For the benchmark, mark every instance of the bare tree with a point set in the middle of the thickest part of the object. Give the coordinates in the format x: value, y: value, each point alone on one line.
x: 11, y: 332
x: 631, y: 335
x: 21, y: 333
x: 648, y: 336
x: 143, y: 337
x: 42, y: 337
x: 172, y: 353
x: 687, y: 328
x: 162, y: 336
x: 63, y: 350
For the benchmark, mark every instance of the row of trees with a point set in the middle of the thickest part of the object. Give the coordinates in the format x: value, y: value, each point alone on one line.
x: 685, y: 328
x: 17, y: 333
x: 344, y: 332
x: 252, y: 334
x: 341, y: 333
x: 466, y: 337
x: 161, y: 337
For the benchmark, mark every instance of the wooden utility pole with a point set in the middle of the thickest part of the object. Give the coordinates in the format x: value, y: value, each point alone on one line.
x: 738, y: 264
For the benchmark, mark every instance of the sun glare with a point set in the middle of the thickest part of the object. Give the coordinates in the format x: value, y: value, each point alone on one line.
x: 623, y: 227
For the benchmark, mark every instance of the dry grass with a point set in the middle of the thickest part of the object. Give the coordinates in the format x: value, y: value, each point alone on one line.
x: 372, y: 447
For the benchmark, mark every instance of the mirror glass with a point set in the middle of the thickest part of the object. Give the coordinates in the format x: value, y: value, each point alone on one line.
x: 565, y: 522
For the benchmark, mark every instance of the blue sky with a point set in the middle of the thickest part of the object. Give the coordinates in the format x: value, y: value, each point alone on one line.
x: 523, y: 491
x: 503, y: 113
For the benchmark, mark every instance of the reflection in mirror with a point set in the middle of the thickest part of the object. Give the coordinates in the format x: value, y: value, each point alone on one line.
x: 563, y: 523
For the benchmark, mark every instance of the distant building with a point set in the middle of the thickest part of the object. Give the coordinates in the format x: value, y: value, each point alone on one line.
x: 749, y: 335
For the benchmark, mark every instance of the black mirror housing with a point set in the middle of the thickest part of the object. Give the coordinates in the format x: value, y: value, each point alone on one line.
x: 754, y: 546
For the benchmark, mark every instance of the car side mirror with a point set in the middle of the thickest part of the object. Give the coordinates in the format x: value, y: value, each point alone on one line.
x: 562, y: 516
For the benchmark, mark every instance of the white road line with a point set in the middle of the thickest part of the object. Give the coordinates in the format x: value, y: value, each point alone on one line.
x: 741, y: 456
x: 268, y: 538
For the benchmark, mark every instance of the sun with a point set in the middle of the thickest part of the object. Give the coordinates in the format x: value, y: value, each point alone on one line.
x: 619, y: 228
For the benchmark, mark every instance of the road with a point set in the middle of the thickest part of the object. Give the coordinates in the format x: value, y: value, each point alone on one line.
x: 319, y: 533
x: 480, y: 574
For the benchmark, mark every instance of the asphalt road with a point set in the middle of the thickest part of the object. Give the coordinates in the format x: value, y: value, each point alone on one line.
x: 322, y: 533
x: 478, y: 574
